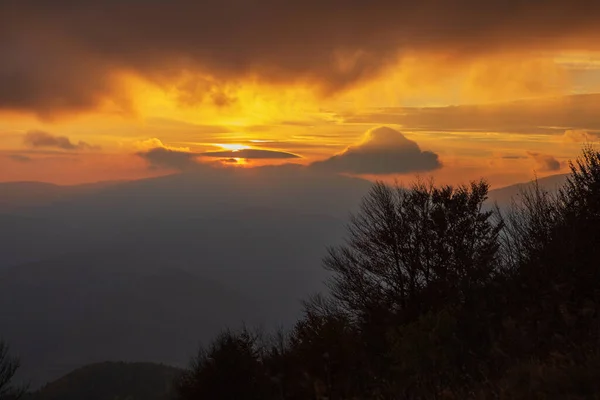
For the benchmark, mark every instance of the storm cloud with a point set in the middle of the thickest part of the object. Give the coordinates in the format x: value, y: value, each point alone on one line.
x: 67, y: 55
x: 383, y: 151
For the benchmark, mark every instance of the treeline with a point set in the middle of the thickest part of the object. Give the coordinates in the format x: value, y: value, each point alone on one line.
x: 433, y: 296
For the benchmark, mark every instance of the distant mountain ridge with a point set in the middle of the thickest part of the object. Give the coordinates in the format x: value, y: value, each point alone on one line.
x: 24, y: 194
x: 503, y: 196
x: 28, y: 195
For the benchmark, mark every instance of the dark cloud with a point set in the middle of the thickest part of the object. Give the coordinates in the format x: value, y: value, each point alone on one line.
x: 41, y: 139
x: 541, y: 116
x: 63, y: 54
x: 545, y: 162
x: 20, y: 158
x: 384, y: 151
x: 256, y: 154
x: 162, y: 158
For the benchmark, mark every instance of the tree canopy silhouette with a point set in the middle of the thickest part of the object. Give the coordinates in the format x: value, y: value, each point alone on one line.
x: 403, y: 243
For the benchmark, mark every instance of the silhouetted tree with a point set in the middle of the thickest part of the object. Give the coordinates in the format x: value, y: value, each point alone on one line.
x: 8, y: 367
x: 402, y: 242
x: 230, y: 368
x: 528, y: 225
x: 328, y: 349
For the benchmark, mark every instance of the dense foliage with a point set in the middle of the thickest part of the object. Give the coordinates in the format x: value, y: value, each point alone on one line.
x: 432, y: 296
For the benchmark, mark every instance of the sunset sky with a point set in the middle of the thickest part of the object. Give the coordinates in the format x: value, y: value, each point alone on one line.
x: 125, y: 89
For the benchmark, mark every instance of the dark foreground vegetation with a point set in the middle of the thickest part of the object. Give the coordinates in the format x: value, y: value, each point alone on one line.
x: 433, y: 296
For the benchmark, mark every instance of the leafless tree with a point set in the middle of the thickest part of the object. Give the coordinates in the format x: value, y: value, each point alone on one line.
x: 405, y: 240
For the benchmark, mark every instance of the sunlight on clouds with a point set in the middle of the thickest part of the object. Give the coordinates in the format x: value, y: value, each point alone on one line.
x: 250, y: 104
x: 193, y: 112
x: 587, y: 60
x: 153, y: 143
x: 414, y: 80
x: 421, y: 80
x: 442, y: 79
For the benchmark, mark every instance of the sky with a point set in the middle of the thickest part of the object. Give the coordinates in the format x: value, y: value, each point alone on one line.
x: 384, y: 89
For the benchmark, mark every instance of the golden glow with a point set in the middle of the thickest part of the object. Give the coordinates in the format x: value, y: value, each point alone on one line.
x: 240, y: 162
x: 195, y: 113
x: 233, y: 147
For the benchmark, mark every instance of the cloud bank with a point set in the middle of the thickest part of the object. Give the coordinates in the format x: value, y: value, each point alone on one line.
x: 164, y: 158
x: 383, y: 151
x: 41, y: 139
x: 67, y: 55
x: 539, y: 116
x: 19, y: 158
x: 545, y: 162
x: 580, y: 136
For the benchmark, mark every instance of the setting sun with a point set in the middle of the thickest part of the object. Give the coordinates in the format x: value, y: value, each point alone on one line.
x: 232, y: 146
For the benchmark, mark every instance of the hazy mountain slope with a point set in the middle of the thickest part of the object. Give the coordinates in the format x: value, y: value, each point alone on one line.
x: 217, y: 191
x: 89, y: 278
x: 270, y: 260
x: 110, y: 381
x: 68, y: 312
x: 18, y: 195
x: 106, y: 217
x: 504, y: 195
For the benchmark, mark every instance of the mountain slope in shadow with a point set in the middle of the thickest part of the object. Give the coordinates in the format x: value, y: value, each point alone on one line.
x: 110, y: 381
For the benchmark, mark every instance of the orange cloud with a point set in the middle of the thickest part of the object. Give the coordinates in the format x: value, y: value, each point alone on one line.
x: 579, y: 136
x: 153, y: 143
x: 382, y: 151
x: 550, y: 116
x: 545, y: 162
x: 41, y: 139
